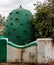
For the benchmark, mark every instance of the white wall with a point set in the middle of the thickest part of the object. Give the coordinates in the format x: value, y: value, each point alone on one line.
x: 13, y: 54
x: 29, y: 54
x: 44, y: 52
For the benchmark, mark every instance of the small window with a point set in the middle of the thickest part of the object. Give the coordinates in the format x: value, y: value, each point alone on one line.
x: 17, y: 12
x: 14, y: 29
x: 16, y: 19
x: 4, y: 33
x: 6, y: 25
x: 28, y: 22
x: 17, y: 36
x: 6, y: 20
x: 10, y: 13
x: 21, y: 24
x: 9, y: 33
x: 26, y: 14
x: 11, y: 23
x: 25, y: 31
x: 10, y: 18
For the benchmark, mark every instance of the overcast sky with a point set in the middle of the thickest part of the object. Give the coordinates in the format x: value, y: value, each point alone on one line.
x: 7, y: 5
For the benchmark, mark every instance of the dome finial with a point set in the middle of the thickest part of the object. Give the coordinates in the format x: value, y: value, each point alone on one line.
x: 20, y: 6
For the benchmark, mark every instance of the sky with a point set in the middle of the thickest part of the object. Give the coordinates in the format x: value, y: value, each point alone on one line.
x: 6, y: 6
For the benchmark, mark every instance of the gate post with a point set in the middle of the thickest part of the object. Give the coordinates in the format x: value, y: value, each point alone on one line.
x: 3, y: 50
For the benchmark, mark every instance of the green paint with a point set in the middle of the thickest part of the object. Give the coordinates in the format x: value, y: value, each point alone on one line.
x: 1, y: 36
x: 18, y: 28
x: 21, y: 46
x: 3, y: 50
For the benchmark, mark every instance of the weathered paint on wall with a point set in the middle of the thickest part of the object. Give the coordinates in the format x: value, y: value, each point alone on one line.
x: 13, y: 54
x: 44, y: 50
x: 29, y: 54
x: 40, y: 52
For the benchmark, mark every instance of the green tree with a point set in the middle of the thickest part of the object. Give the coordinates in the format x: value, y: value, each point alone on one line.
x: 2, y: 20
x: 52, y: 1
x: 44, y: 21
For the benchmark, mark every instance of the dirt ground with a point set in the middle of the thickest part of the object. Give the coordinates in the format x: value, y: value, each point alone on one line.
x: 51, y: 63
x: 17, y: 64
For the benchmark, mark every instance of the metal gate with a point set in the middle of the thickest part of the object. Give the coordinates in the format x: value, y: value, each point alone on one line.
x: 3, y: 51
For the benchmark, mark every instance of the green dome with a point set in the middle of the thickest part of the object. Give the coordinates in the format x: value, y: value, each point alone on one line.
x: 18, y: 28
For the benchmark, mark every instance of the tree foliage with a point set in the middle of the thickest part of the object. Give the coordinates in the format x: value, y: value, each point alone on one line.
x: 44, y: 21
x: 2, y: 20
